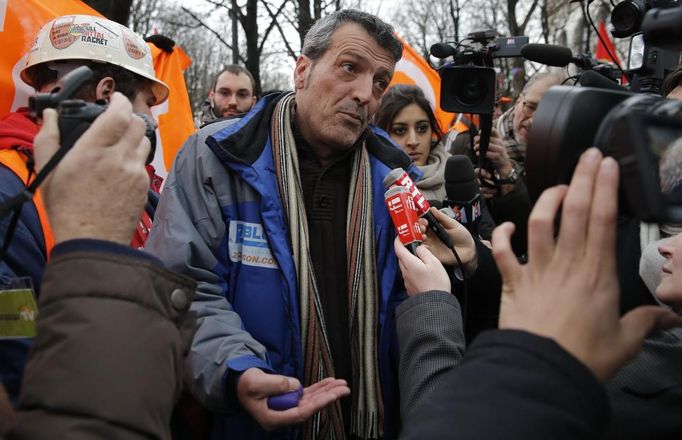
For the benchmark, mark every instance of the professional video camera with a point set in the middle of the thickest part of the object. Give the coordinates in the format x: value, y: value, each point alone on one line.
x: 648, y: 63
x: 643, y: 132
x: 468, y: 83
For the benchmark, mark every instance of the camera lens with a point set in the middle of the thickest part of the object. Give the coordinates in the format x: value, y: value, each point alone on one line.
x: 471, y: 90
x: 627, y: 17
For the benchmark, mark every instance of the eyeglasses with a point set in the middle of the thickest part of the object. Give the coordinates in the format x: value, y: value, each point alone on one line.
x: 528, y: 108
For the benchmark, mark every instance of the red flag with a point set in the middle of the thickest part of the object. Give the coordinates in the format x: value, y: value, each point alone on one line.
x: 600, y: 52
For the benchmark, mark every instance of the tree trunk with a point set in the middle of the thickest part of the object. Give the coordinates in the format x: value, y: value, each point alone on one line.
x: 250, y: 25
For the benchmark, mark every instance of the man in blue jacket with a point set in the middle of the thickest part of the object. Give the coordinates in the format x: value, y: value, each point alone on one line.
x: 279, y: 215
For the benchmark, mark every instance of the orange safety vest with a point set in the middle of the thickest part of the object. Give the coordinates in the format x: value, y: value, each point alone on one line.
x: 16, y: 162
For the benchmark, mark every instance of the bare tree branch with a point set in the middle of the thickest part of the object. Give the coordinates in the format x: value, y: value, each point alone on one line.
x: 275, y: 23
x: 528, y: 15
x: 211, y: 30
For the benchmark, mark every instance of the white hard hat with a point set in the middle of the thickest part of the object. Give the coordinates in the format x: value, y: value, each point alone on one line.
x: 86, y: 37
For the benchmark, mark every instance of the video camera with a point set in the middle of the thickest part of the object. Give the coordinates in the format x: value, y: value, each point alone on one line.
x: 468, y: 83
x: 647, y: 60
x: 643, y: 132
x: 76, y: 115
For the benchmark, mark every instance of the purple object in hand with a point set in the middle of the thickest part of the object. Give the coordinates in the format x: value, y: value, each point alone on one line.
x: 285, y: 401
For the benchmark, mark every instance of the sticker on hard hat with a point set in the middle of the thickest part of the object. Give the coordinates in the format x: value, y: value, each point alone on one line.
x: 133, y: 46
x: 65, y: 32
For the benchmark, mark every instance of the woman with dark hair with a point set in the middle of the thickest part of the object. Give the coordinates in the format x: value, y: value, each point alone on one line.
x: 407, y: 117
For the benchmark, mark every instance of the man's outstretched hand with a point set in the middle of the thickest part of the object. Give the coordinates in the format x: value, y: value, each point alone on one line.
x: 569, y: 289
x: 255, y: 386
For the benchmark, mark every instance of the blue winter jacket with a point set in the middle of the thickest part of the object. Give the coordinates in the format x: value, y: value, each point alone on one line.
x: 221, y: 221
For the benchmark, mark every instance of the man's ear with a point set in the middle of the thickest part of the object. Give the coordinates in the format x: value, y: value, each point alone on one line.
x: 303, y: 67
x: 105, y: 88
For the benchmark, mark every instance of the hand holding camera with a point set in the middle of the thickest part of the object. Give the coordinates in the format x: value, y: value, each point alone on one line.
x: 104, y: 203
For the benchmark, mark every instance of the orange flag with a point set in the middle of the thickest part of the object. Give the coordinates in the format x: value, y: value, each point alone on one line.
x: 20, y: 21
x: 412, y: 69
x: 175, y: 115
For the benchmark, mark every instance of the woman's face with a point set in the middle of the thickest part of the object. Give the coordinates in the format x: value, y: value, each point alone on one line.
x: 411, y: 130
x: 670, y: 289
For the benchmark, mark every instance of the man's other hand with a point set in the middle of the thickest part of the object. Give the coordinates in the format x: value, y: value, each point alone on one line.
x: 99, y: 188
x: 255, y: 386
x: 569, y: 289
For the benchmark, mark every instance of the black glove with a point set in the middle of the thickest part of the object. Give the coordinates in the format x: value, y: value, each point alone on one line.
x: 161, y: 41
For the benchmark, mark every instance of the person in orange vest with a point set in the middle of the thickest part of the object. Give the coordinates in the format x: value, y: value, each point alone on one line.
x: 121, y: 61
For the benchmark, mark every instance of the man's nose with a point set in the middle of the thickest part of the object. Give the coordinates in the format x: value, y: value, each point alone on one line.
x: 363, y: 90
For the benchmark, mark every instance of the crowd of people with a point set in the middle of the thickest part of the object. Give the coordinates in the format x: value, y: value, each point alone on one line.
x: 273, y: 269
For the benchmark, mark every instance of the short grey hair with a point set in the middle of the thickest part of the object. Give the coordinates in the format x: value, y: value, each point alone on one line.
x: 319, y: 37
x: 554, y: 78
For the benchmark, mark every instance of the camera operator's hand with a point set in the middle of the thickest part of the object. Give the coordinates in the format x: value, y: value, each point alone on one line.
x: 488, y: 191
x: 255, y: 386
x: 569, y: 289
x: 99, y: 188
x: 423, y: 272
x: 496, y: 153
x: 460, y: 236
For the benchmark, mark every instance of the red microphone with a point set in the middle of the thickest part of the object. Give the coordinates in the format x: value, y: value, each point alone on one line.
x: 399, y: 177
x: 403, y: 212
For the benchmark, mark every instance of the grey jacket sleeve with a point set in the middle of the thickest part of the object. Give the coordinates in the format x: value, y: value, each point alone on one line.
x: 188, y: 232
x: 431, y: 341
x: 107, y: 359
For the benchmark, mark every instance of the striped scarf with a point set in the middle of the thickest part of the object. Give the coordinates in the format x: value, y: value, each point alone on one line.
x: 367, y: 408
x: 516, y: 151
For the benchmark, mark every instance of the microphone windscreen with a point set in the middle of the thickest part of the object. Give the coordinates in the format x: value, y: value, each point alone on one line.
x: 442, y: 50
x: 548, y: 54
x: 392, y: 177
x: 460, y: 180
x: 593, y: 79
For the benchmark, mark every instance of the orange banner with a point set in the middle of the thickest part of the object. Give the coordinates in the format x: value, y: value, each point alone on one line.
x: 414, y: 70
x: 175, y: 115
x: 20, y: 21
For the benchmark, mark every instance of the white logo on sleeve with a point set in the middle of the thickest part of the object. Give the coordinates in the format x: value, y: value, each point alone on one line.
x: 247, y: 244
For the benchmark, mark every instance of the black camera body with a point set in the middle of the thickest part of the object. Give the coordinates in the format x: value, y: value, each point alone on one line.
x: 468, y: 83
x: 649, y: 61
x: 640, y: 131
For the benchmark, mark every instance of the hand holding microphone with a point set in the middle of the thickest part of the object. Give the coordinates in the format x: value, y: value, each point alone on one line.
x: 403, y: 213
x: 451, y: 236
x: 399, y: 177
x: 422, y: 272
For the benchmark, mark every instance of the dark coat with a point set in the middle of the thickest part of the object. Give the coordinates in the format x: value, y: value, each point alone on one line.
x: 107, y: 360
